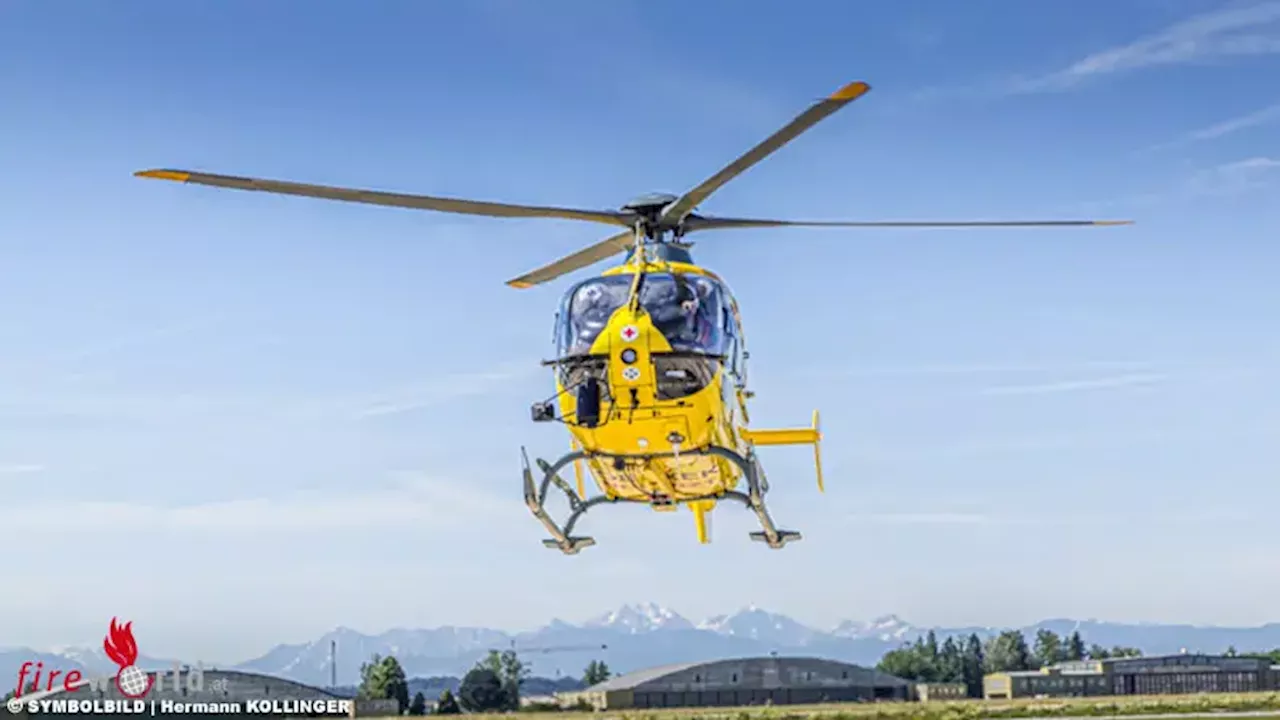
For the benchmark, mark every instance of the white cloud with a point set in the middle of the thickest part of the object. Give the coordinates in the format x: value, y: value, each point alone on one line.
x: 994, y: 368
x: 1232, y: 32
x: 435, y: 391
x: 416, y: 499
x: 1268, y: 114
x: 145, y: 335
x: 1004, y: 445
x: 21, y: 469
x: 930, y: 518
x: 1233, y: 178
x: 1224, y: 180
x: 416, y: 396
x: 432, y: 392
x: 1118, y: 381
x: 1016, y: 518
x: 1264, y: 116
x: 70, y: 367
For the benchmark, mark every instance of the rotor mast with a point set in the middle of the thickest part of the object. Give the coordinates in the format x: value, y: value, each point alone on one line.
x: 656, y: 238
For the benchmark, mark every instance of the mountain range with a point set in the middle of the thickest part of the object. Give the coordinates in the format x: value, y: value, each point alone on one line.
x: 644, y: 635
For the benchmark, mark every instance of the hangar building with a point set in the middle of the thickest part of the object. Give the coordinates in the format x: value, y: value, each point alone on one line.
x: 1170, y: 674
x: 746, y: 681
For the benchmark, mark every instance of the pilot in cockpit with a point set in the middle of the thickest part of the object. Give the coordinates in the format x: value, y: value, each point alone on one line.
x: 591, y: 309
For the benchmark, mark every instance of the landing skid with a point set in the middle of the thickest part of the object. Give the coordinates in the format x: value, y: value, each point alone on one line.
x: 563, y: 539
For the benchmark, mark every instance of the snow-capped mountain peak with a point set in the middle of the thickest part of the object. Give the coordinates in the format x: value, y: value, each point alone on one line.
x: 886, y: 628
x: 94, y: 658
x: 756, y: 624
x: 85, y: 656
x: 641, y: 618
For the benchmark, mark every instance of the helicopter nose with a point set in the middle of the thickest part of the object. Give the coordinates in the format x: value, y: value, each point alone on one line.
x: 630, y: 350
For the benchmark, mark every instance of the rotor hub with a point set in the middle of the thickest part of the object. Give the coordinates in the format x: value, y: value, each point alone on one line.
x: 647, y: 210
x: 650, y: 203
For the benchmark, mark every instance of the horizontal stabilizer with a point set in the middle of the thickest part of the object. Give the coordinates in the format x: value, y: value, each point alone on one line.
x: 792, y: 436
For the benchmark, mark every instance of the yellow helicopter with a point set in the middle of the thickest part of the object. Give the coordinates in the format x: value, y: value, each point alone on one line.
x: 651, y: 358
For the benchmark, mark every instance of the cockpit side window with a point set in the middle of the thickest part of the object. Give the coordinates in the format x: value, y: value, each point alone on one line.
x: 731, y: 343
x: 738, y: 352
x: 735, y: 350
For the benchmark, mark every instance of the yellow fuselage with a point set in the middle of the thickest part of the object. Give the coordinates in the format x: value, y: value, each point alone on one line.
x: 659, y: 437
x: 665, y: 426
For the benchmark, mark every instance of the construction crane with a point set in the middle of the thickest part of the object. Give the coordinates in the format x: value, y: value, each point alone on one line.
x: 333, y: 655
x: 526, y: 651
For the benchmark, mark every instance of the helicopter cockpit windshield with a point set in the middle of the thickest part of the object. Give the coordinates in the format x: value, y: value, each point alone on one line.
x: 688, y: 309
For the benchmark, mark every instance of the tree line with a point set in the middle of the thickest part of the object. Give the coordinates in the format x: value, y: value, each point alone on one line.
x: 959, y: 659
x: 493, y: 685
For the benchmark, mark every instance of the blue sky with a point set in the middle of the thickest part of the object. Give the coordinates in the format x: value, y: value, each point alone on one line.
x: 279, y: 415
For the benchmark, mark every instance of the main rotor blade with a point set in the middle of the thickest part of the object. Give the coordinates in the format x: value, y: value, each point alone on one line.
x: 587, y: 256
x: 374, y: 197
x: 805, y: 120
x: 713, y: 223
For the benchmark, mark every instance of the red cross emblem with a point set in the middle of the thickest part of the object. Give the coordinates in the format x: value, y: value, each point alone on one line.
x: 629, y: 333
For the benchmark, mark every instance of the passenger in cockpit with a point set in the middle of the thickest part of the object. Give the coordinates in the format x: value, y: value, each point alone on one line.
x: 681, y: 312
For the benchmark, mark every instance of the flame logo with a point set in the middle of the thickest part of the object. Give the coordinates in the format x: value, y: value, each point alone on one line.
x: 120, y: 645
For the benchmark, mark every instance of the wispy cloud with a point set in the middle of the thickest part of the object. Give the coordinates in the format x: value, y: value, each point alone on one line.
x: 994, y: 368
x: 1039, y: 443
x: 1257, y: 118
x: 1233, y: 178
x: 430, y: 393
x: 1227, y: 179
x: 929, y: 518
x: 1041, y: 519
x: 20, y: 469
x: 146, y: 335
x: 1239, y: 31
x: 82, y: 407
x: 1070, y: 386
x: 412, y: 500
x: 86, y: 361
x: 1268, y: 114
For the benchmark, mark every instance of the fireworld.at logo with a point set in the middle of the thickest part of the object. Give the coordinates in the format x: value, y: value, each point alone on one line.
x: 121, y: 647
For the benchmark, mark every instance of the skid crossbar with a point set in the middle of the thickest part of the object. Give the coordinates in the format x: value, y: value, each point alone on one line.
x: 562, y: 538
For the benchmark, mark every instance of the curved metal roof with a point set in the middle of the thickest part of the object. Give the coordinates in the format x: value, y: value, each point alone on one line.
x: 632, y: 680
x: 639, y: 677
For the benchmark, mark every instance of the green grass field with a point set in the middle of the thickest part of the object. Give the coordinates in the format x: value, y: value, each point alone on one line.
x: 1191, y: 707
